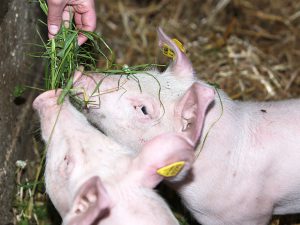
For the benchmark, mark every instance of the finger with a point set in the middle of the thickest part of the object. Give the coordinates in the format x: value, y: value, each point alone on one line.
x: 88, y: 18
x: 67, y: 16
x: 88, y: 24
x: 86, y: 21
x: 78, y: 21
x: 54, y: 17
x: 81, y: 39
x: 78, y: 74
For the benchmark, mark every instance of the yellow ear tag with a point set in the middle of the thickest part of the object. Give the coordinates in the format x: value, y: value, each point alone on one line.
x: 171, y: 170
x: 167, y: 51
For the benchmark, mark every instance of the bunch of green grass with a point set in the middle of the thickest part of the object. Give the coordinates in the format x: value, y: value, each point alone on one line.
x: 63, y: 55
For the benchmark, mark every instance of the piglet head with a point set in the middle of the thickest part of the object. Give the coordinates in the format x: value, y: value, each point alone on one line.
x: 90, y: 204
x: 167, y: 156
x: 134, y: 109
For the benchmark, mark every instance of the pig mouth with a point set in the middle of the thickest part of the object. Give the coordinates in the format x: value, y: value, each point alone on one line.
x: 97, y: 127
x: 46, y: 98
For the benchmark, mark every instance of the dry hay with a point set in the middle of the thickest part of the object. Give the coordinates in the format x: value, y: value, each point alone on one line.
x: 251, y: 49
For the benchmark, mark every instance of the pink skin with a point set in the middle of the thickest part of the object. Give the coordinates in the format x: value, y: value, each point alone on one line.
x: 93, y: 180
x: 249, y: 166
x: 83, y: 11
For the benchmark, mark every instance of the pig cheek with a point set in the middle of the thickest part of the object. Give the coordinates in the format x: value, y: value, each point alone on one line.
x: 130, y: 131
x: 47, y: 125
x: 147, y: 128
x: 140, y: 127
x: 159, y: 126
x: 142, y: 120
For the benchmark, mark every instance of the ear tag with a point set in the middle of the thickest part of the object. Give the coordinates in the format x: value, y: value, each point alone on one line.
x: 167, y: 51
x: 171, y: 170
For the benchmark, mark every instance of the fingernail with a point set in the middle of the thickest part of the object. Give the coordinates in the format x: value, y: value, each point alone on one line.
x: 53, y: 29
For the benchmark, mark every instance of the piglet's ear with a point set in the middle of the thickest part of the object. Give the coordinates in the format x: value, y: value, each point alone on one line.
x: 181, y: 65
x: 91, y: 203
x: 191, y: 109
x: 161, y: 152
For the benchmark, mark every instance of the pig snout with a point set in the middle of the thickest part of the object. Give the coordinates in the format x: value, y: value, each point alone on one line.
x: 48, y: 109
x: 46, y: 100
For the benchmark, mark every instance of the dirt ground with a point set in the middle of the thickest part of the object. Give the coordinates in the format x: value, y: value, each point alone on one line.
x: 250, y: 48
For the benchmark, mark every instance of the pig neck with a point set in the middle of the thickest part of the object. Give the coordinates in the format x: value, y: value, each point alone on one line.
x: 244, y: 128
x: 248, y: 130
x: 222, y: 129
x: 248, y: 152
x: 211, y: 174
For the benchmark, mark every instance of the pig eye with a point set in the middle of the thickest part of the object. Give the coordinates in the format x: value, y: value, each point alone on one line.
x: 144, y: 110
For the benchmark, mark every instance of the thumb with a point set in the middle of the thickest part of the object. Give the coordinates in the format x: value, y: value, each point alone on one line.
x: 54, y: 17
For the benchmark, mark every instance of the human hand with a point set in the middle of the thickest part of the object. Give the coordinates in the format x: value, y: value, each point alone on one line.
x: 61, y: 10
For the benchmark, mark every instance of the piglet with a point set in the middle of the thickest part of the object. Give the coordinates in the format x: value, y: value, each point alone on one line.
x: 93, y: 180
x: 247, y: 159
